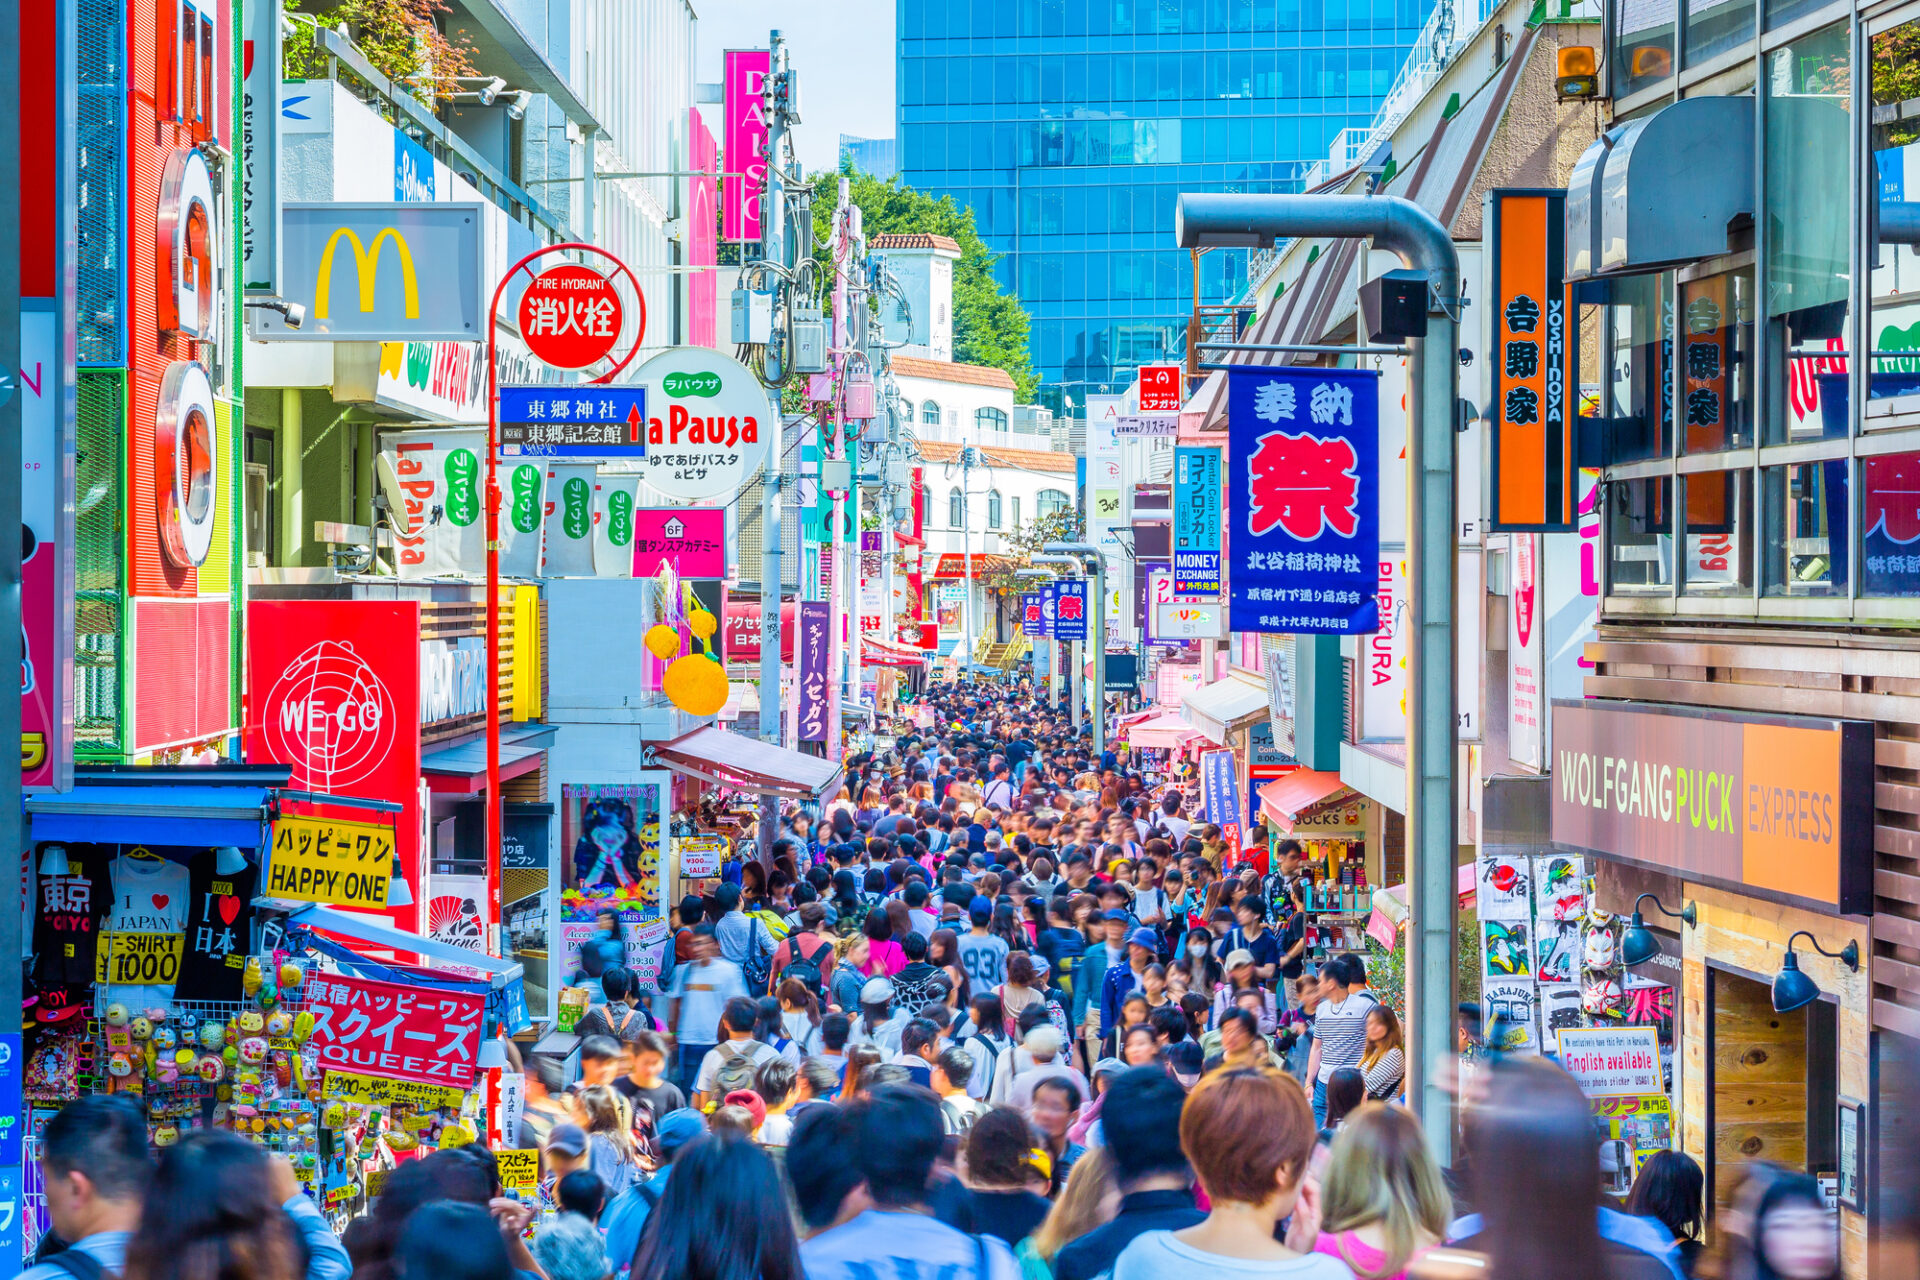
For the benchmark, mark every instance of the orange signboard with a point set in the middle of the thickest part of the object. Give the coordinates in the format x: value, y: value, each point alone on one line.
x: 1534, y: 489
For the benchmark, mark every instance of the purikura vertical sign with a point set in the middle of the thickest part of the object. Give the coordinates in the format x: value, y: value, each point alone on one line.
x: 744, y: 73
x: 810, y: 658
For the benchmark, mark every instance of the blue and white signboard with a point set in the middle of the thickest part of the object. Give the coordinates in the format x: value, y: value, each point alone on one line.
x: 1220, y: 794
x: 1049, y: 606
x: 1070, y: 610
x: 573, y: 422
x: 1196, y: 521
x: 1033, y: 620
x: 1306, y: 542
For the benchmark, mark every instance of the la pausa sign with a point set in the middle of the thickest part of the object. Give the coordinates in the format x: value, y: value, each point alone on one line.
x: 684, y: 427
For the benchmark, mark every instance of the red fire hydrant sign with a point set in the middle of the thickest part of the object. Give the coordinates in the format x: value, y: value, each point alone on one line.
x: 403, y: 1033
x: 570, y: 316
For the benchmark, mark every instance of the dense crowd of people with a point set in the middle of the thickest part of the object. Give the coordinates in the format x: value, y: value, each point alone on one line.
x: 997, y: 1010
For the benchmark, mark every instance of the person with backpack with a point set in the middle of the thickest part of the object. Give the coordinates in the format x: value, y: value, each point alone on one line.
x: 730, y: 1065
x: 616, y: 1019
x: 799, y: 1017
x: 807, y: 955
x: 914, y: 986
x: 626, y: 1214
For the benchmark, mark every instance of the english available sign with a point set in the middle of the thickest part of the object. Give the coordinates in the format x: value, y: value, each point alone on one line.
x: 1778, y: 806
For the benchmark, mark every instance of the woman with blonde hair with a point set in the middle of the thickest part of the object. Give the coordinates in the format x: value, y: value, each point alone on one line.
x: 1382, y: 1200
x: 607, y: 1117
x: 1384, y: 1062
x: 1090, y: 1199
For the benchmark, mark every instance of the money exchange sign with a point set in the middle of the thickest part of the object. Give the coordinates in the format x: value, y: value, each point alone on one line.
x: 1196, y: 521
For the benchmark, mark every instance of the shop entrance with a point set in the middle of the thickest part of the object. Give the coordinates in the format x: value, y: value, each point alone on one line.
x: 1771, y: 1083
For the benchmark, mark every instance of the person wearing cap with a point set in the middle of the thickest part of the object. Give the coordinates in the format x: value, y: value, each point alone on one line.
x: 1241, y: 979
x: 1047, y: 1048
x: 982, y: 956
x: 878, y: 1023
x: 1121, y: 979
x: 626, y: 1214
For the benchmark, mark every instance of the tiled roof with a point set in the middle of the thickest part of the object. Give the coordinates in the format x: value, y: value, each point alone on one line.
x: 1018, y: 459
x: 914, y: 240
x: 978, y: 375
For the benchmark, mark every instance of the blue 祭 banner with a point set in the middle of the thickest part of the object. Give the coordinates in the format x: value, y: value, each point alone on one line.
x: 1049, y: 610
x: 1196, y: 521
x: 1070, y: 610
x: 1033, y: 623
x: 1306, y: 538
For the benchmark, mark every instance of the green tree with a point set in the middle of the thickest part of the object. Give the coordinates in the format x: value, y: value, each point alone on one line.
x: 1020, y: 545
x: 401, y: 38
x: 989, y: 325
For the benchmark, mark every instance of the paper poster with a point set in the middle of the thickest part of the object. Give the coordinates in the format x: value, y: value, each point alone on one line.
x: 1502, y: 889
x: 1504, y: 949
x: 1612, y: 1061
x: 513, y: 1103
x: 1559, y: 889
x: 700, y: 856
x: 1630, y: 1130
x: 1512, y: 1018
x: 612, y: 837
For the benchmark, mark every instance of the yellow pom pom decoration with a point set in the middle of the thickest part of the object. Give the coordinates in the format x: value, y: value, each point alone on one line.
x: 703, y: 623
x: 663, y: 642
x: 696, y: 684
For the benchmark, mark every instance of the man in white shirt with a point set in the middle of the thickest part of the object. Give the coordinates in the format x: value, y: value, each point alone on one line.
x: 999, y: 792
x: 1339, y: 1028
x: 952, y: 1070
x: 1170, y: 818
x: 696, y: 998
x: 731, y: 1064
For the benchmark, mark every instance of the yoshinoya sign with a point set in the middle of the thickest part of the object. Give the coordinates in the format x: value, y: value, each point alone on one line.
x: 706, y: 411
x: 1776, y: 806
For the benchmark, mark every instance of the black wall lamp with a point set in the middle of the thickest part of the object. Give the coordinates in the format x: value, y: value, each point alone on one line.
x: 1793, y: 989
x: 1638, y: 945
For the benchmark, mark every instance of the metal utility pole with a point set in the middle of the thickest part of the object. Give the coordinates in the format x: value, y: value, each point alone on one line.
x: 773, y: 248
x: 1422, y: 243
x: 966, y: 554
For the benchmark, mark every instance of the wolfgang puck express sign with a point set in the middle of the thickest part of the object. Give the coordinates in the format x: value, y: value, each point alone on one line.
x: 1778, y: 806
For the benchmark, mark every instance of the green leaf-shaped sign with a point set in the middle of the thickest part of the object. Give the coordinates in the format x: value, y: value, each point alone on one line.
x: 620, y: 518
x: 576, y: 516
x: 463, y: 487
x: 525, y: 508
x: 681, y: 385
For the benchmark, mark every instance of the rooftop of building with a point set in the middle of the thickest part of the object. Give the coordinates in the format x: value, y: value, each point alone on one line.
x: 914, y: 240
x: 977, y: 375
x: 1018, y: 459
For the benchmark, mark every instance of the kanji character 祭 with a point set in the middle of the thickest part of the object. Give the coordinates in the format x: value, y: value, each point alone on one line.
x: 1303, y: 484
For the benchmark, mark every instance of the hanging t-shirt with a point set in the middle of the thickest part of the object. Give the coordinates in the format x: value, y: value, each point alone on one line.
x: 219, y: 930
x: 66, y: 924
x: 145, y: 931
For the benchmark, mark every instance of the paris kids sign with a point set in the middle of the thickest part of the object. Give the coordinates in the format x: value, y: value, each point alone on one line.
x: 1306, y: 531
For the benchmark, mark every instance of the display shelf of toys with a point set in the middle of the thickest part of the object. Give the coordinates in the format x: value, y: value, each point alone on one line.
x: 1339, y: 899
x: 247, y: 1066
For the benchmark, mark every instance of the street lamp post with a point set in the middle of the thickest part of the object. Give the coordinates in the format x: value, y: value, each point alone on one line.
x: 1403, y: 227
x: 1095, y: 565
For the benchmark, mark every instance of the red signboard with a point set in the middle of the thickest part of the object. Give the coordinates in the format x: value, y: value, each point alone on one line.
x: 570, y: 316
x: 333, y: 690
x: 740, y: 634
x: 400, y: 1033
x: 1160, y: 388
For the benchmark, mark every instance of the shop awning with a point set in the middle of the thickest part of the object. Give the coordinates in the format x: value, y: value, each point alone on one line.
x: 1286, y: 801
x: 877, y: 652
x: 730, y: 759
x: 986, y: 564
x: 462, y: 769
x: 180, y: 813
x: 1218, y: 709
x: 1167, y: 732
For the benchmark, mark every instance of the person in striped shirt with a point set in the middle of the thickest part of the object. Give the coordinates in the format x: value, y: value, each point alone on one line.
x: 1339, y: 1025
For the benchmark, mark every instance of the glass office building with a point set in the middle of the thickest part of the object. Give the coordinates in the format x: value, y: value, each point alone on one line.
x: 1069, y: 126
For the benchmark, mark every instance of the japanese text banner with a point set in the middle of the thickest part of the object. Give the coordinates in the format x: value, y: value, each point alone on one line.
x: 400, y: 1033
x: 1070, y: 610
x: 810, y: 660
x: 1306, y: 533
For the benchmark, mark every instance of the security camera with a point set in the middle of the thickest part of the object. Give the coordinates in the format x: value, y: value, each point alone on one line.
x: 293, y: 313
x: 517, y: 104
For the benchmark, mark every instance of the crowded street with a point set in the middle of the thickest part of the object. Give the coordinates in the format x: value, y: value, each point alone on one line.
x: 961, y: 639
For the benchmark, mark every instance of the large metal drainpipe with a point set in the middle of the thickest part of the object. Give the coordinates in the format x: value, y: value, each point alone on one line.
x: 1404, y: 228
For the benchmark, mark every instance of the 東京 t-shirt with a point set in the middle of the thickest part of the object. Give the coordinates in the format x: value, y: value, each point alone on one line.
x: 219, y: 919
x: 66, y: 923
x: 144, y: 932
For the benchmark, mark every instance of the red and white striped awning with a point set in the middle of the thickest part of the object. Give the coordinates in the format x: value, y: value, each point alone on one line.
x: 877, y: 652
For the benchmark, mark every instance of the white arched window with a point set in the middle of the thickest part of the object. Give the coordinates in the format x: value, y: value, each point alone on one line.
x: 993, y: 508
x: 930, y: 413
x: 956, y: 508
x: 990, y: 419
x: 1048, y: 501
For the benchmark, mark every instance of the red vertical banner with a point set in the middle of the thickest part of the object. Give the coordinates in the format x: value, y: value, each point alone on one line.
x: 333, y: 691
x: 743, y: 75
x: 703, y: 231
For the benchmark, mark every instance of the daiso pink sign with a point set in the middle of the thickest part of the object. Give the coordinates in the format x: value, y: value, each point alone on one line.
x: 744, y: 72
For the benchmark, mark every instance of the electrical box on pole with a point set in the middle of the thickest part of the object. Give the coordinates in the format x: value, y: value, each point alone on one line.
x: 809, y: 340
x: 752, y: 317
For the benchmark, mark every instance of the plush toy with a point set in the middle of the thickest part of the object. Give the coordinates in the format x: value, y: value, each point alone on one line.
x: 252, y: 976
x: 302, y: 1026
x: 117, y: 1015
x: 165, y: 1135
x: 253, y: 1049
x: 252, y: 1022
x: 140, y: 1028
x: 212, y: 1035
x: 291, y: 976
x: 119, y: 1065
x: 279, y: 1023
x: 163, y: 1039
x: 212, y: 1070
